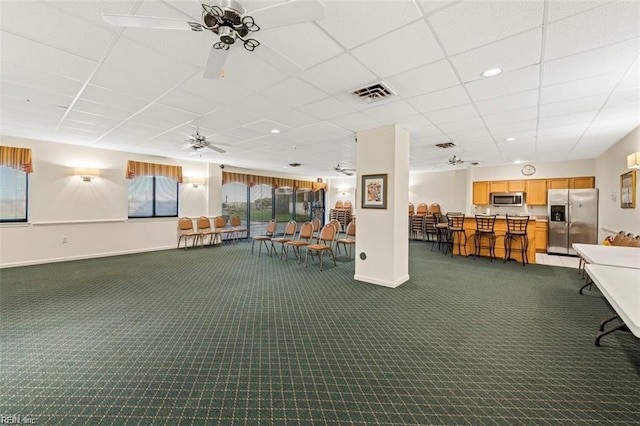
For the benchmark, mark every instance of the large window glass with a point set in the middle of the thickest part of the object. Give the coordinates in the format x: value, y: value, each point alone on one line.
x: 153, y: 196
x: 261, y: 197
x: 284, y: 204
x: 304, y: 201
x: 13, y: 195
x: 234, y: 201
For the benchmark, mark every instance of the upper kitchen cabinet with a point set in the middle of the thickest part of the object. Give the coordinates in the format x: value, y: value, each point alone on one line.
x: 582, y: 182
x: 536, y: 190
x: 517, y: 186
x: 498, y: 186
x: 558, y: 183
x: 481, y: 193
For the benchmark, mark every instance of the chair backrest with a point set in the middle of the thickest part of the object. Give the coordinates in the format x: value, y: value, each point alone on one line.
x: 336, y: 224
x: 316, y: 224
x: 339, y: 204
x: 347, y: 205
x: 291, y: 228
x: 219, y: 222
x: 434, y: 208
x: 306, y: 231
x: 517, y: 223
x: 351, y: 229
x: 456, y: 220
x: 185, y: 224
x: 411, y: 209
x: 635, y: 242
x: 619, y: 236
x: 416, y: 222
x: 430, y: 221
x: 422, y: 209
x: 485, y: 222
x: 235, y: 220
x: 203, y: 223
x: 624, y: 242
x: 327, y: 233
x: 271, y: 227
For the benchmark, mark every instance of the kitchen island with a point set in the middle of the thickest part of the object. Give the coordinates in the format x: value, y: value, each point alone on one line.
x: 500, y: 231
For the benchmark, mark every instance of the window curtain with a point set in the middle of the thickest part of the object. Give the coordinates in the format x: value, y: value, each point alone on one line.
x: 17, y: 158
x: 252, y: 180
x: 137, y: 169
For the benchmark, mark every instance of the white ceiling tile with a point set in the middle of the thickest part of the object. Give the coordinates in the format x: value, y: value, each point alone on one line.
x: 305, y: 44
x: 598, y: 27
x: 632, y: 77
x: 568, y: 131
x: 407, y: 48
x: 416, y: 124
x: 327, y: 108
x: 431, y: 5
x: 516, y: 115
x: 627, y: 96
x: 264, y: 127
x: 353, y: 23
x: 38, y: 79
x: 112, y: 98
x: 294, y: 93
x: 579, y: 88
x: 188, y: 102
x: 459, y: 126
x: 508, y: 102
x: 457, y: 113
x: 505, y: 83
x: 171, y: 115
x: 441, y: 99
x: 567, y: 119
x: 514, y: 129
x: 339, y: 74
x: 592, y: 63
x: 573, y: 105
x: 559, y: 9
x: 510, y: 54
x: 391, y: 110
x: 427, y: 78
x: 354, y: 122
x: 246, y: 70
x: 35, y: 95
x: 112, y: 77
x: 467, y: 25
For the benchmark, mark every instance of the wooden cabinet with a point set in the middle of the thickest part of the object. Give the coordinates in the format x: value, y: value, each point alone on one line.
x: 499, y: 186
x: 582, y: 182
x: 517, y: 186
x: 481, y: 193
x: 541, y: 236
x: 536, y: 190
x: 558, y: 183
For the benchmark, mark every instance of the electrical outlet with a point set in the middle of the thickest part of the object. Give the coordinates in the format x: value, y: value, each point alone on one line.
x: 65, y: 240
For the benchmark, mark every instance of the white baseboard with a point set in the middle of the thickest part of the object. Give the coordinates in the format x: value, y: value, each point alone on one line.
x: 376, y: 281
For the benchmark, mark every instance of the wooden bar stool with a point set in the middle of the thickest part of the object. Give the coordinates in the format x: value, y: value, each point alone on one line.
x: 485, y: 229
x: 456, y: 234
x: 516, y: 231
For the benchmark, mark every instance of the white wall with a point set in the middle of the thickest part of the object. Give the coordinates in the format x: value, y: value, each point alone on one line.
x: 343, y: 189
x: 93, y: 215
x: 609, y: 167
x: 449, y: 189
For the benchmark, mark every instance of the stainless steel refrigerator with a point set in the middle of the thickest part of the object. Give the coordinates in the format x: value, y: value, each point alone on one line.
x: 573, y: 218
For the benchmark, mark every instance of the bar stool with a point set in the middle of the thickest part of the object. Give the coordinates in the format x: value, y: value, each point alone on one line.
x: 456, y: 233
x: 442, y: 233
x: 516, y: 231
x: 484, y: 229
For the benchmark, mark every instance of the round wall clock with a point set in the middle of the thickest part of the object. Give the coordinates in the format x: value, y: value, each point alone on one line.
x: 528, y: 170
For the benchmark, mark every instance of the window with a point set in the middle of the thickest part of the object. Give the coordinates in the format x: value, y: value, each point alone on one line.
x: 153, y: 196
x: 13, y: 195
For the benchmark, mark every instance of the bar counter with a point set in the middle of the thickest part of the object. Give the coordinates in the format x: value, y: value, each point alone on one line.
x: 500, y: 229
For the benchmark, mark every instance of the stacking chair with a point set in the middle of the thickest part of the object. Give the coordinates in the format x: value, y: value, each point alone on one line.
x: 635, y: 242
x: 237, y: 228
x: 325, y: 243
x: 619, y: 236
x: 416, y: 226
x: 411, y: 210
x: 339, y: 204
x: 615, y: 242
x: 264, y: 239
x: 289, y: 234
x: 336, y: 224
x: 624, y: 242
x: 456, y: 235
x: 516, y: 231
x: 435, y: 208
x: 204, y: 228
x: 316, y: 223
x: 349, y: 239
x: 485, y: 229
x: 186, y: 231
x: 221, y: 228
x: 347, y: 205
x: 422, y: 210
x: 304, y: 239
x: 429, y: 231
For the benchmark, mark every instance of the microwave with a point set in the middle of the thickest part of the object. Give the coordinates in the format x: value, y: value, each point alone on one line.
x: 513, y: 199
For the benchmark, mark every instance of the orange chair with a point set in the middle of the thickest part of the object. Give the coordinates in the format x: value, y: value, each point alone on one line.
x: 316, y: 223
x: 264, y: 239
x: 185, y: 230
x: 435, y: 208
x: 347, y: 205
x: 339, y: 204
x: 221, y: 229
x: 619, y: 236
x: 289, y: 234
x: 237, y: 228
x: 304, y: 239
x: 635, y: 242
x: 349, y: 240
x: 422, y: 210
x: 204, y: 228
x: 411, y: 209
x: 325, y: 243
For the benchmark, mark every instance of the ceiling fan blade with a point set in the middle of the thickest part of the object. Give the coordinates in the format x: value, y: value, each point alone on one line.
x: 288, y: 13
x: 215, y: 63
x: 278, y: 61
x: 147, y: 22
x: 216, y: 149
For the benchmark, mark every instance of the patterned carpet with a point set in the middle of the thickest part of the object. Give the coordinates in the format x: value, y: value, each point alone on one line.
x: 218, y: 336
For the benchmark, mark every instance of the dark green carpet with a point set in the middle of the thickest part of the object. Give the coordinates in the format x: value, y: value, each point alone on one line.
x: 217, y: 336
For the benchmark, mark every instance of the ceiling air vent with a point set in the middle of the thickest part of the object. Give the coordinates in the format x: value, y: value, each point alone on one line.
x: 295, y: 164
x: 446, y: 145
x: 376, y: 92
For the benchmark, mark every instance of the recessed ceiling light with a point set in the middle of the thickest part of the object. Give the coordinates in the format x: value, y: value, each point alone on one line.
x: 510, y: 139
x: 275, y: 130
x: 518, y: 162
x: 491, y: 72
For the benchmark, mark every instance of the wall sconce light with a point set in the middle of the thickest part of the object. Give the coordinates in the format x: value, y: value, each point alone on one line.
x: 343, y: 191
x: 87, y: 174
x: 633, y: 160
x: 195, y: 181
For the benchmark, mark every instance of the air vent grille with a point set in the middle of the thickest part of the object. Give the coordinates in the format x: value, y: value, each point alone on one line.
x: 446, y: 145
x: 373, y: 93
x: 295, y: 164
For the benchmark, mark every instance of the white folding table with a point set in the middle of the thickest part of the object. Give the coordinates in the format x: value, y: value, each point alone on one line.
x: 621, y: 287
x: 624, y: 257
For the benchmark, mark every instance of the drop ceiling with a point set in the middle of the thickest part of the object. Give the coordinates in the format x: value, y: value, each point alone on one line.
x: 569, y: 90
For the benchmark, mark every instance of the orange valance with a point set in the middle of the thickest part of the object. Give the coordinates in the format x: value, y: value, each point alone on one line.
x: 276, y: 182
x: 17, y: 158
x: 283, y: 183
x: 137, y: 169
x: 303, y: 184
x: 229, y: 177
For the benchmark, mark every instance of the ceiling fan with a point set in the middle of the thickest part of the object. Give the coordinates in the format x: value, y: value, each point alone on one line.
x: 199, y: 143
x: 343, y: 170
x: 455, y: 160
x: 232, y: 26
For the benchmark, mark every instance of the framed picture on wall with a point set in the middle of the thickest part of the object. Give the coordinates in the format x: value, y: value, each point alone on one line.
x: 374, y: 191
x: 628, y: 190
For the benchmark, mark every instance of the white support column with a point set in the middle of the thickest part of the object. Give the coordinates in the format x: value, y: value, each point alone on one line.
x: 382, y: 234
